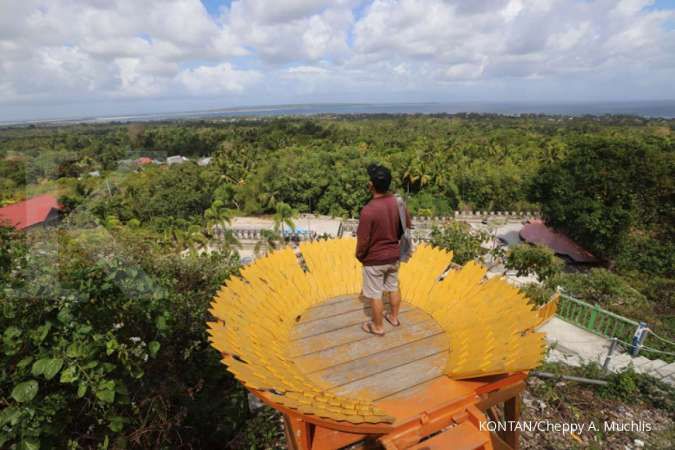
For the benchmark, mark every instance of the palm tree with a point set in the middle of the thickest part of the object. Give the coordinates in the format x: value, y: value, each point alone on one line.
x: 180, y: 239
x: 284, y: 216
x: 217, y: 216
x: 553, y: 151
x: 415, y: 175
x: 268, y: 239
x: 268, y: 199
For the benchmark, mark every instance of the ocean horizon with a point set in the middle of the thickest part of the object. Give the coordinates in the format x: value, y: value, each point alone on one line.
x: 647, y: 109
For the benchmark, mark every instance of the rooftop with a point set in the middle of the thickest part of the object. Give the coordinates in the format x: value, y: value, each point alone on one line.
x: 29, y: 212
x: 536, y: 232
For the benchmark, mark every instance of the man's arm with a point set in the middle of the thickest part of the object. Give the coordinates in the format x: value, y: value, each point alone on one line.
x: 363, y: 235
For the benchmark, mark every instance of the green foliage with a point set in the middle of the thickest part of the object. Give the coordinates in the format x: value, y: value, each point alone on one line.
x: 169, y: 193
x: 457, y: 237
x: 628, y: 385
x: 641, y: 252
x: 606, y: 186
x: 607, y: 289
x: 107, y: 345
x: 533, y: 259
x: 263, y: 431
x: 283, y: 217
x: 107, y: 335
x: 8, y: 250
x: 26, y: 391
x: 621, y: 386
x: 539, y: 293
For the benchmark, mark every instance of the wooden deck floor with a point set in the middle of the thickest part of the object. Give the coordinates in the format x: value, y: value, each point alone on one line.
x: 329, y: 346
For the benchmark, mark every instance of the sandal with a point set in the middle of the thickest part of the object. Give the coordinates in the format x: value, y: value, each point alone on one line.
x: 387, y: 318
x: 368, y: 328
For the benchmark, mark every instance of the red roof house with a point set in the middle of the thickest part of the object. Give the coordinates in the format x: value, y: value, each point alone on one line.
x: 143, y: 160
x: 536, y: 232
x: 29, y: 213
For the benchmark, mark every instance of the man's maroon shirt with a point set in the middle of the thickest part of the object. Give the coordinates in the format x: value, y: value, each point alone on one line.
x: 379, y: 232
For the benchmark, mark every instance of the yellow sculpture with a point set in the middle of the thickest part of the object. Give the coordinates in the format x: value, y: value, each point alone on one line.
x: 490, y: 324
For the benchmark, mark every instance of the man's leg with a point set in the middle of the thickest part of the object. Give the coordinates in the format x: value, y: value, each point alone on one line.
x: 395, y: 302
x: 378, y: 314
x: 372, y: 291
x: 394, y: 293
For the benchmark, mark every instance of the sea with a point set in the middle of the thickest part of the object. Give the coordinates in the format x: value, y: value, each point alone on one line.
x: 648, y: 109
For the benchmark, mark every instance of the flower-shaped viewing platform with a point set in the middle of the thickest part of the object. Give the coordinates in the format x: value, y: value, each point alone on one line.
x: 293, y: 337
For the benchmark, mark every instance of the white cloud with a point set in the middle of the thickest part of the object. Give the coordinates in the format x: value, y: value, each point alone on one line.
x: 265, y: 12
x: 219, y: 79
x: 465, y: 71
x: 137, y: 79
x: 516, y: 38
x: 53, y: 51
x: 292, y: 30
x: 307, y: 70
x: 125, y: 48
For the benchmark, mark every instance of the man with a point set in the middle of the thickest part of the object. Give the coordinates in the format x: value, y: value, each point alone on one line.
x: 378, y: 250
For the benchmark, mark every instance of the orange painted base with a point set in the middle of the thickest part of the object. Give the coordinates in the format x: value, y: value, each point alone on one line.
x: 434, y: 407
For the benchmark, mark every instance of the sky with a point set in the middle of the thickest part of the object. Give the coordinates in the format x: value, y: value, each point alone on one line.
x: 82, y: 58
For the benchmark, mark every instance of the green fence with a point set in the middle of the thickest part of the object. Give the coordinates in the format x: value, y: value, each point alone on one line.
x: 595, y: 319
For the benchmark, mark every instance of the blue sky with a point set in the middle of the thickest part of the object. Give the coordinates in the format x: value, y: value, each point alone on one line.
x: 214, y: 6
x: 73, y: 58
x: 658, y: 4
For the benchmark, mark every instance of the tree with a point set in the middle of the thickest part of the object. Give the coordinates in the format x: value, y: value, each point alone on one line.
x: 136, y: 134
x: 528, y: 259
x: 284, y: 216
x: 457, y: 236
x: 607, y: 289
x: 182, y: 192
x: 216, y: 217
x: 595, y: 195
x: 268, y: 241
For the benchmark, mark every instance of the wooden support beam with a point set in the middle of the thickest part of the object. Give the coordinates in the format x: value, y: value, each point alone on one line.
x: 298, y: 432
x: 512, y: 412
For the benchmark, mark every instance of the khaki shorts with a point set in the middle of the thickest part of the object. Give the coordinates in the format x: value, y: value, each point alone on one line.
x: 378, y: 279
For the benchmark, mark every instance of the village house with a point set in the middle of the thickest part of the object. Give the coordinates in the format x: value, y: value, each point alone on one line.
x: 204, y: 161
x: 143, y: 161
x: 177, y: 159
x: 32, y: 213
x: 536, y: 232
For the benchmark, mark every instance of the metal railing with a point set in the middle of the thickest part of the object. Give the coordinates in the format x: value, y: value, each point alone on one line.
x: 595, y: 319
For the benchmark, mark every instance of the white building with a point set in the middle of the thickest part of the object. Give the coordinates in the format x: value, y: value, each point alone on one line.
x: 177, y: 159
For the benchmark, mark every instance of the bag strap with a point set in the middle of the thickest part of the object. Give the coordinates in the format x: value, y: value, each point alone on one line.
x: 401, y: 214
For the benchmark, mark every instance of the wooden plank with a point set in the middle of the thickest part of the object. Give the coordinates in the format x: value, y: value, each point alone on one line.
x: 428, y: 396
x: 324, y: 310
x: 464, y: 436
x: 349, y: 334
x: 333, y: 356
x: 512, y: 412
x: 371, y: 365
x: 325, y: 439
x: 334, y: 300
x: 395, y: 380
x: 314, y: 327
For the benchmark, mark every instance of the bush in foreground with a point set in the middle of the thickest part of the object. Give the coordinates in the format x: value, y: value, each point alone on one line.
x: 104, y: 346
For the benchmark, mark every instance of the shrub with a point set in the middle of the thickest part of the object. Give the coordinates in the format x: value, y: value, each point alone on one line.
x: 641, y: 252
x: 457, y: 237
x: 628, y: 384
x: 533, y: 259
x: 607, y: 289
x: 540, y: 294
x: 104, y: 344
